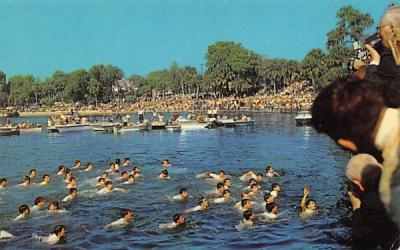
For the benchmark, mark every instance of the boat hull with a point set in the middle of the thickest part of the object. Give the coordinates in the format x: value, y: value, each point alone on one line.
x: 9, y: 131
x: 73, y: 128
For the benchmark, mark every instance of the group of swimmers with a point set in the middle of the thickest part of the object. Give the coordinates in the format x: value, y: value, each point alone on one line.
x: 252, y: 197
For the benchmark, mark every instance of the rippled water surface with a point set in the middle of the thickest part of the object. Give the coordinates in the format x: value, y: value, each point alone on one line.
x: 299, y: 153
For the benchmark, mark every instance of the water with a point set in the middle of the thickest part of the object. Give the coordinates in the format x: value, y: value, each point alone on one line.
x: 303, y: 156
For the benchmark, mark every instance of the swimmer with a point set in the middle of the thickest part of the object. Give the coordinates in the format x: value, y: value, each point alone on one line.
x: 105, y: 176
x: 271, y: 211
x: 248, y: 218
x: 270, y: 172
x: 61, y: 170
x: 276, y: 188
x: 220, y: 177
x: 101, y: 182
x: 245, y: 205
x: 268, y: 198
x: 130, y: 181
x: 136, y: 175
x: 3, y: 183
x: 166, y: 163
x: 126, y: 218
x: 109, y: 188
x: 73, y: 193
x: 260, y: 177
x: 54, y: 207
x: 226, y: 197
x: 251, y: 182
x: 182, y: 196
x: 26, y: 182
x: 45, y: 180
x: 32, y: 174
x: 203, y: 205
x: 164, y: 175
x: 124, y: 176
x: 72, y: 183
x: 136, y: 169
x: 243, y: 196
x: 24, y: 211
x: 5, y: 235
x: 255, y: 190
x: 247, y: 176
x: 68, y: 177
x: 219, y: 191
x: 116, y: 164
x: 39, y: 204
x: 178, y: 220
x: 89, y: 167
x: 127, y: 163
x: 59, y: 232
x: 227, y: 183
x: 308, y: 207
x: 111, y: 168
x: 77, y: 165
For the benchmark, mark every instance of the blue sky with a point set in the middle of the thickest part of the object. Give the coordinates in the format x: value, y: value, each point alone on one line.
x: 41, y: 36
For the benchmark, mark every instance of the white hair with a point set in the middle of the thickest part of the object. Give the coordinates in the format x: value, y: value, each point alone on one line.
x: 392, y: 16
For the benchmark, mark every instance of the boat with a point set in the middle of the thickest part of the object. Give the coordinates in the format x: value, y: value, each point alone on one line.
x: 9, y: 131
x: 73, y: 127
x: 27, y: 127
x: 158, y: 125
x: 232, y: 123
x: 104, y: 126
x: 31, y: 130
x: 303, y: 118
x: 244, y: 122
x: 52, y: 129
x: 130, y: 128
x: 173, y: 127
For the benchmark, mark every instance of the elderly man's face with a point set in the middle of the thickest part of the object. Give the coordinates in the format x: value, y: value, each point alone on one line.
x: 385, y: 31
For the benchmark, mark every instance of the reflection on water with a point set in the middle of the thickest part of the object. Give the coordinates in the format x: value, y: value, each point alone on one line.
x: 304, y: 158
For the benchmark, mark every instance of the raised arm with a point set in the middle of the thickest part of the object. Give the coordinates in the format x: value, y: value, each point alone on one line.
x: 303, y: 200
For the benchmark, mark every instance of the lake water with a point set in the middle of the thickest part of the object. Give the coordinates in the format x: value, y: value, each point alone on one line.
x: 302, y: 156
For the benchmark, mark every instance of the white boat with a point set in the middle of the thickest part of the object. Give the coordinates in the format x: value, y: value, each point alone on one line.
x: 174, y: 128
x: 158, y: 125
x: 303, y: 118
x: 193, y: 125
x: 31, y: 130
x: 104, y: 126
x: 247, y: 122
x: 9, y: 131
x: 73, y: 127
x: 130, y: 128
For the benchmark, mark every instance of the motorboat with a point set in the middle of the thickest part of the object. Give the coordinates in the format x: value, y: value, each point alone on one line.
x: 130, y: 128
x: 173, y: 127
x: 9, y: 131
x: 158, y: 125
x: 303, y: 118
x: 73, y: 127
x: 27, y: 127
x: 104, y: 126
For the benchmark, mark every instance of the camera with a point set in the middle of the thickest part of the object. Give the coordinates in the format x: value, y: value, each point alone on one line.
x: 360, y: 53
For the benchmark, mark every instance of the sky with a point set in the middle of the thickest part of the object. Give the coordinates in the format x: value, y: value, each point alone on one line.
x: 41, y: 36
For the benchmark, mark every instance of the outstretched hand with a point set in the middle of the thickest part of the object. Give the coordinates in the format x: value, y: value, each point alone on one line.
x: 374, y: 54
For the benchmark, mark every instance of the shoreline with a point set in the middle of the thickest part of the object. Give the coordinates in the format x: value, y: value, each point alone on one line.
x: 102, y: 113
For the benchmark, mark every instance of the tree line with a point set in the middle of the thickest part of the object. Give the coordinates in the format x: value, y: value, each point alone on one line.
x: 230, y: 69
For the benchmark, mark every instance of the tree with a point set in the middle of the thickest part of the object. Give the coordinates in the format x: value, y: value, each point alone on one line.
x: 22, y: 90
x: 76, y: 86
x: 94, y: 89
x: 314, y: 66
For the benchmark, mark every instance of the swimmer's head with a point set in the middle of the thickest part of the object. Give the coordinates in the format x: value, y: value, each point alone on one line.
x: 252, y: 181
x: 24, y: 210
x: 46, y: 178
x: 59, y: 231
x: 269, y: 169
x: 271, y: 208
x: 39, y: 201
x: 73, y: 192
x: 78, y: 163
x: 248, y: 214
x: 260, y: 177
x: 3, y: 182
x: 220, y: 187
x: 179, y: 219
x: 164, y: 173
x: 268, y: 198
x: 68, y: 171
x: 254, y: 188
x: 101, y: 181
x: 109, y: 185
x: 136, y: 174
x: 227, y: 182
x: 244, y: 196
x: 27, y: 180
x: 131, y: 178
x: 184, y: 193
x: 227, y: 194
x: 127, y: 160
x: 61, y: 168
x: 127, y: 214
x: 104, y: 175
x: 311, y: 204
x: 246, y: 204
x: 276, y: 187
x: 124, y: 175
x: 89, y: 165
x: 32, y: 173
x: 72, y: 181
x: 117, y: 161
x: 136, y: 168
x: 54, y: 206
x: 203, y: 202
x: 221, y: 174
